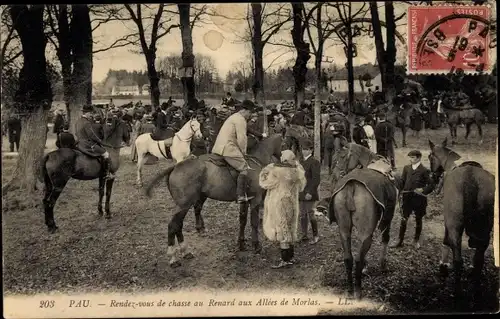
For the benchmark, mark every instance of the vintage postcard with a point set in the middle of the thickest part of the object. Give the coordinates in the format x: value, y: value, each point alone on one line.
x: 255, y: 159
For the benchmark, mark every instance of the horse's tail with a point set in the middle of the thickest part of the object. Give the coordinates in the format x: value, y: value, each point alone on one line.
x: 349, y: 201
x: 156, y: 180
x: 42, y: 171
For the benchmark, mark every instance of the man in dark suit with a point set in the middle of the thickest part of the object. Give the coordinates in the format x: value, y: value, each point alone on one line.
x: 384, y: 135
x: 58, y: 122
x: 359, y: 134
x: 14, y: 132
x: 65, y: 139
x: 309, y: 196
x: 417, y: 184
x: 161, y: 123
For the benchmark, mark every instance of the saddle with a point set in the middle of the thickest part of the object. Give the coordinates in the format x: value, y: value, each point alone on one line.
x: 218, y: 160
x: 382, y: 166
x: 470, y: 163
x: 87, y: 153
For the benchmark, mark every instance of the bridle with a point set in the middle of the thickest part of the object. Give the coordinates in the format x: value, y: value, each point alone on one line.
x: 193, y: 132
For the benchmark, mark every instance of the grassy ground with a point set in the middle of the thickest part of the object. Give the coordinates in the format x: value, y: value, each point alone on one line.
x: 128, y: 252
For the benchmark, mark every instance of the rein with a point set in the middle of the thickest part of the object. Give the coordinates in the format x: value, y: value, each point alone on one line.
x: 190, y: 137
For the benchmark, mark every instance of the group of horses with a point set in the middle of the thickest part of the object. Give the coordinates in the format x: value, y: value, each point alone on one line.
x: 468, y: 193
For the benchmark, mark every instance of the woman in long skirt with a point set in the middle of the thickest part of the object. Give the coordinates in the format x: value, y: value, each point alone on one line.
x: 370, y: 134
x: 135, y: 133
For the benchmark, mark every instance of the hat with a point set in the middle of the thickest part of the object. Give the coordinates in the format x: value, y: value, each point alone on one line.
x: 424, y: 99
x: 416, y: 153
x: 306, y: 144
x: 248, y: 105
x: 87, y: 108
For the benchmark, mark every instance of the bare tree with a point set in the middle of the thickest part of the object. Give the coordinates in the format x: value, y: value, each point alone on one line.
x: 9, y: 40
x: 386, y: 57
x: 264, y: 25
x: 161, y: 25
x: 34, y: 97
x: 71, y: 34
x: 347, y: 15
x: 300, y: 22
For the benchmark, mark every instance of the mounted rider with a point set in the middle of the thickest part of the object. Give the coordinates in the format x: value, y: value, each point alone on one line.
x: 231, y: 143
x: 88, y: 140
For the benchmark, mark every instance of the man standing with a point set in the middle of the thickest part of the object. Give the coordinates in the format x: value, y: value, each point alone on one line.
x: 309, y: 195
x: 14, y: 131
x: 232, y: 143
x: 359, y: 134
x: 333, y: 144
x: 417, y: 184
x: 65, y: 139
x: 384, y: 135
x: 58, y: 122
x: 89, y: 141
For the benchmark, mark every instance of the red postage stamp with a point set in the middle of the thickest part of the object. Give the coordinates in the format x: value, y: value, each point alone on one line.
x: 447, y: 39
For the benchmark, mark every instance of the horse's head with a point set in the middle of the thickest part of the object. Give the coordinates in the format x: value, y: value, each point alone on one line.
x: 441, y: 158
x: 116, y: 132
x: 349, y: 157
x: 193, y: 128
x: 267, y: 148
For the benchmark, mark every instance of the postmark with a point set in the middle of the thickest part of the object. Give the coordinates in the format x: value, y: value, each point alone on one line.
x: 450, y: 38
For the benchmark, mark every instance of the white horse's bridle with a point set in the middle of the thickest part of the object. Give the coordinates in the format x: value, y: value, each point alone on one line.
x: 193, y: 131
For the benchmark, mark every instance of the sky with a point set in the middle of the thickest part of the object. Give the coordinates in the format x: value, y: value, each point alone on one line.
x: 220, y: 38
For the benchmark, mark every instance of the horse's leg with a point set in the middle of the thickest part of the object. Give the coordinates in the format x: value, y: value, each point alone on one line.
x: 52, y: 193
x: 345, y: 229
x: 109, y: 188
x: 385, y: 242
x: 255, y: 223
x: 403, y: 130
x: 467, y: 130
x: 175, y: 230
x: 140, y: 162
x: 480, y: 131
x: 200, y: 224
x: 455, y: 240
x: 102, y: 183
x: 243, y: 224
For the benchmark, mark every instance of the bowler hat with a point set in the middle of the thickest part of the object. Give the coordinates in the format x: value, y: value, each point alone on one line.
x: 416, y: 153
x: 306, y: 144
x: 248, y: 105
x: 87, y: 108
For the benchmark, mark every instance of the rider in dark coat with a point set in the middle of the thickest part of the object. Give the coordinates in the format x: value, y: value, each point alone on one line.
x: 384, y: 135
x: 65, y: 139
x: 359, y: 134
x: 162, y: 121
x: 90, y: 142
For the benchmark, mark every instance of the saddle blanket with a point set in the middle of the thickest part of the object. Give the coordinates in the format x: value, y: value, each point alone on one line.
x: 382, y: 189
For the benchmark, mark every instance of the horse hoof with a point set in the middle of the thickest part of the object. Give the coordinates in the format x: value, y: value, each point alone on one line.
x: 200, y: 230
x: 100, y: 212
x: 257, y: 248
x: 175, y: 264
x: 188, y: 256
x: 108, y: 216
x: 383, y: 266
x: 52, y: 229
x: 241, y: 245
x: 139, y: 185
x: 443, y: 270
x: 357, y: 295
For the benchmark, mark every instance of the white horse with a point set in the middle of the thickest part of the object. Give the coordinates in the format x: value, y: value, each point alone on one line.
x: 179, y: 144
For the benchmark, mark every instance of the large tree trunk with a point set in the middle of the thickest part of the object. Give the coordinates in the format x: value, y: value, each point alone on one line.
x: 317, y: 104
x: 34, y: 97
x: 81, y: 38
x: 64, y: 54
x: 350, y: 70
x: 391, y: 50
x: 379, y: 41
x: 258, y: 48
x: 154, y: 79
x: 302, y: 48
x: 187, y: 55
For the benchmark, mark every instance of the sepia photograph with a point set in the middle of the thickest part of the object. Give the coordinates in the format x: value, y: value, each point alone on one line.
x: 249, y: 159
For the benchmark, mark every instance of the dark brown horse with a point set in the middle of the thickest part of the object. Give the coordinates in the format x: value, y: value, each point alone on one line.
x: 194, y: 180
x: 364, y: 198
x: 468, y: 204
x: 467, y: 117
x: 59, y: 166
x: 401, y: 118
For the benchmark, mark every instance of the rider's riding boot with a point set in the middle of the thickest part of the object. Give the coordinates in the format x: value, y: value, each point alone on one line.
x: 241, y: 189
x: 402, y: 231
